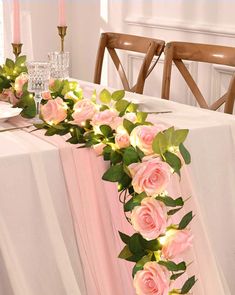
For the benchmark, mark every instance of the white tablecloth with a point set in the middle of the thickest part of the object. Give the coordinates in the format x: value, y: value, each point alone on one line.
x: 38, y: 250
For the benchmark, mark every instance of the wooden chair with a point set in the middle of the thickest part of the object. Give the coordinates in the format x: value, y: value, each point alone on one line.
x: 178, y: 51
x: 113, y: 41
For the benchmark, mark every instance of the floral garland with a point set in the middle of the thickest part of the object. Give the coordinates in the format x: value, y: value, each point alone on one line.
x: 142, y: 157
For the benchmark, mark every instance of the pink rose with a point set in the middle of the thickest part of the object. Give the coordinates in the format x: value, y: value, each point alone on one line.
x: 143, y: 136
x: 19, y: 83
x: 177, y: 242
x: 98, y: 148
x: 107, y: 117
x: 151, y: 176
x: 54, y: 111
x: 122, y: 140
x: 150, y: 219
x: 154, y: 279
x: 83, y: 110
x: 9, y: 96
x: 46, y: 95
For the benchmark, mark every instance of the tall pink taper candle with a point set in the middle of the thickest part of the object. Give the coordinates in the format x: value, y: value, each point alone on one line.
x: 16, y: 22
x: 62, y: 22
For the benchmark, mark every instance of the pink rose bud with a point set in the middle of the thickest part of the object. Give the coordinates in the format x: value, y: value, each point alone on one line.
x: 98, y: 148
x: 122, y: 140
x: 83, y: 110
x: 177, y: 242
x: 143, y: 136
x: 46, y: 95
x: 19, y: 83
x: 150, y: 219
x: 151, y: 176
x: 154, y: 279
x: 54, y: 111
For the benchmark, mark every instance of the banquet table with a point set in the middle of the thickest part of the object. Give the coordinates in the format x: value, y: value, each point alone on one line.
x: 59, y: 221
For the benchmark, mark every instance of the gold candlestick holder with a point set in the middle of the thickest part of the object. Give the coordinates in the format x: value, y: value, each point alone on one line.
x: 16, y: 49
x: 62, y: 33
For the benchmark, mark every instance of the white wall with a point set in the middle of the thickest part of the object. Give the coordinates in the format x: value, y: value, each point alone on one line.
x: 207, y: 21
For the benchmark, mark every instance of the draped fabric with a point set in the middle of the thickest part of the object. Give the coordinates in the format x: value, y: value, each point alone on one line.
x: 97, y: 214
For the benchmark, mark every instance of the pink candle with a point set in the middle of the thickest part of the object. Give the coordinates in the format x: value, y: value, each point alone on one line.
x: 62, y: 22
x: 16, y: 22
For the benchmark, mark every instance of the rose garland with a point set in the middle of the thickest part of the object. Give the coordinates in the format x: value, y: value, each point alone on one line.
x: 142, y: 157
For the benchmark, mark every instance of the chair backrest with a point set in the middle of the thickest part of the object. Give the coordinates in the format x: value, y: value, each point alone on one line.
x: 178, y: 51
x: 112, y: 41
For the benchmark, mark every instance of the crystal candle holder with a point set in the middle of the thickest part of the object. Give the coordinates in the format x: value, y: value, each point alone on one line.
x: 38, y: 81
x: 59, y: 62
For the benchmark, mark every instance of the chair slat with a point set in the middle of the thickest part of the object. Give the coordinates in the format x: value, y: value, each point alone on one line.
x: 112, y: 41
x: 178, y: 51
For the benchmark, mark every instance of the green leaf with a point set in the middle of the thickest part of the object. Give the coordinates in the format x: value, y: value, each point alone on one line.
x: 20, y: 61
x: 128, y: 125
x: 130, y: 156
x: 106, y: 130
x: 185, y: 154
x: 115, y: 157
x: 125, y: 253
x: 132, y: 108
x: 188, y: 285
x: 140, y: 264
x: 169, y: 135
x: 141, y: 117
x: 185, y: 220
x: 172, y: 266
x: 122, y: 105
x: 10, y: 63
x: 134, y: 201
x: 125, y: 238
x: 114, y: 173
x: 173, y: 161
x: 173, y: 211
x: 124, y: 182
x: 140, y: 153
x: 177, y: 275
x: 160, y: 144
x: 169, y: 202
x: 179, y: 136
x: 118, y: 95
x: 51, y: 131
x: 27, y: 103
x: 103, y: 108
x: 134, y: 244
x: 153, y: 245
x: 105, y: 96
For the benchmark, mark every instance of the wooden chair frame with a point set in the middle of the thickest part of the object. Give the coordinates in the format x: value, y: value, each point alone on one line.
x: 178, y: 51
x: 112, y: 41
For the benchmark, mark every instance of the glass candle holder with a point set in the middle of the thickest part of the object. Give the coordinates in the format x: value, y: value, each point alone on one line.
x: 38, y: 81
x: 59, y: 62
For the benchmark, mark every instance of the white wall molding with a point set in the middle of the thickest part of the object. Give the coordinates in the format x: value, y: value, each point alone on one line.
x: 176, y: 25
x: 187, y: 97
